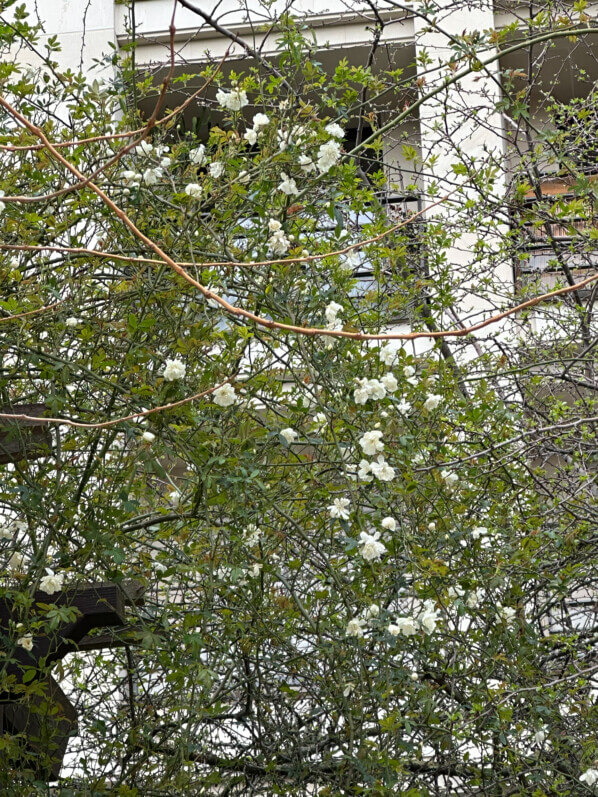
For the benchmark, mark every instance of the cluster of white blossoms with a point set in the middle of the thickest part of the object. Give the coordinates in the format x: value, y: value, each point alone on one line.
x: 290, y: 435
x: 232, y: 100
x: 173, y: 370
x: 374, y: 389
x: 253, y: 534
x: 328, y: 156
x: 278, y: 242
x: 260, y: 120
x: 224, y: 396
x: 339, y: 508
x: 371, y: 443
x: 370, y: 547
x: 287, y: 185
x: 332, y: 311
x: 51, y: 582
x: 409, y: 625
x: 378, y: 468
x: 356, y: 627
x: 473, y: 599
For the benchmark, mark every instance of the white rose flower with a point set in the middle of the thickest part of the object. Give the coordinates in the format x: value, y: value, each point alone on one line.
x: 144, y: 148
x: 382, y: 470
x: 307, y: 164
x: 432, y: 402
x: 372, y: 611
x: 590, y: 777
x: 290, y: 435
x: 328, y: 155
x: 255, y: 570
x: 332, y: 310
x: 389, y: 523
x: 26, y: 641
x: 232, y: 100
x: 216, y: 169
x: 479, y: 531
x: 274, y: 225
x: 251, y: 137
x: 429, y: 617
x: 173, y: 370
x: 368, y: 389
x: 339, y: 508
x: 540, y: 737
x: 371, y: 443
x: 148, y: 437
x: 350, y: 261
x: 197, y: 156
x: 364, y: 471
x: 72, y: 322
x: 152, y: 175
x: 17, y: 562
x: 355, y: 627
x: 260, y: 120
x: 389, y: 354
x: 279, y: 244
x: 51, y: 583
x: 174, y: 498
x: 287, y: 185
x: 409, y: 371
x: 335, y: 130
x: 403, y: 625
x: 370, y: 546
x: 319, y: 420
x: 224, y: 396
x: 194, y: 190
x: 449, y: 478
x: 390, y: 383
x: 130, y: 177
x: 404, y: 406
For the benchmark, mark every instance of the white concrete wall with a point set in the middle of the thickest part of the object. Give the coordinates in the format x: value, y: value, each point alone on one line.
x: 333, y: 25
x: 83, y: 27
x: 460, y: 122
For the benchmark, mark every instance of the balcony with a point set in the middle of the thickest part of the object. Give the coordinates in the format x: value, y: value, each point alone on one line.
x: 557, y: 234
